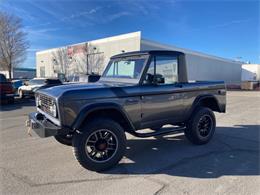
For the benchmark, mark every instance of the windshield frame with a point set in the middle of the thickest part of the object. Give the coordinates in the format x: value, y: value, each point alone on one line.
x: 125, y: 80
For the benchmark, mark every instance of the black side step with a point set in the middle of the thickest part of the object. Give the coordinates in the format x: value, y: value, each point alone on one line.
x: 159, y: 132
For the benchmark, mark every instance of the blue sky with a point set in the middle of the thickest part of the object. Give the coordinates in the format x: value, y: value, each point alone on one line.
x: 228, y: 29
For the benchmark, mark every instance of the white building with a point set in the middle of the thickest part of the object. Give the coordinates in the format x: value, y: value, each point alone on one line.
x: 250, y: 72
x: 200, y: 66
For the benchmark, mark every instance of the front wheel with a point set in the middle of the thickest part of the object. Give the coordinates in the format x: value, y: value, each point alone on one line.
x: 64, y: 139
x: 201, y: 126
x: 100, y: 144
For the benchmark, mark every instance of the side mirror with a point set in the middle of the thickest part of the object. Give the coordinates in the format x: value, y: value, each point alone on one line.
x: 148, y: 78
x: 154, y: 79
x: 158, y: 78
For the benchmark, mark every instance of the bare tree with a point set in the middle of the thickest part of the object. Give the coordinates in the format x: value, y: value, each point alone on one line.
x: 62, y: 60
x: 85, y: 59
x: 13, y: 42
x: 92, y: 59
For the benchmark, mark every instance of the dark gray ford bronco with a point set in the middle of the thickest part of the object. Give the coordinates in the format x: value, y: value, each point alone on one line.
x: 138, y: 90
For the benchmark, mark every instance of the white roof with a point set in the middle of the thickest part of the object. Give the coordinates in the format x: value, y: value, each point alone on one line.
x: 145, y: 41
x: 186, y: 51
x: 107, y: 39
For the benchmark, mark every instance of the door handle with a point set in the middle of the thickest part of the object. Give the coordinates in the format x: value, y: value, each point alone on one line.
x: 131, y: 101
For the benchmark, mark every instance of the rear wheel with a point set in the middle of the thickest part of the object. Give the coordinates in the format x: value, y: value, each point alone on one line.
x: 201, y: 126
x: 100, y: 145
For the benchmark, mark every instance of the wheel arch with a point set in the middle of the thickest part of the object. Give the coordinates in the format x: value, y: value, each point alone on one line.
x: 108, y: 110
x: 208, y: 101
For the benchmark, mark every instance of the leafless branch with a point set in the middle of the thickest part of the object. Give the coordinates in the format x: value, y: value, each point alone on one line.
x: 92, y: 59
x: 13, y: 42
x: 61, y: 60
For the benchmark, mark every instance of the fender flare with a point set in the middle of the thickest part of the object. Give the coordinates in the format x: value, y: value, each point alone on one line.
x: 99, y: 106
x: 200, y: 98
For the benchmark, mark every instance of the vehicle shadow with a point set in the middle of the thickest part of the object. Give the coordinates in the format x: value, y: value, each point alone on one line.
x: 232, y: 151
x: 18, y: 104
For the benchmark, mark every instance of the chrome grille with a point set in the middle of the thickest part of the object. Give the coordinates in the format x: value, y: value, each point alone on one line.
x: 46, y: 103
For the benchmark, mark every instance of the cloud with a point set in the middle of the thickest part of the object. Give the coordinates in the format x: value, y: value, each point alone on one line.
x: 220, y: 25
x: 47, y: 10
x: 91, y: 18
x: 43, y: 33
x: 226, y: 24
x: 9, y: 7
x: 39, y: 25
x: 117, y: 15
x: 39, y: 32
x: 35, y: 49
x: 143, y: 7
x: 81, y: 14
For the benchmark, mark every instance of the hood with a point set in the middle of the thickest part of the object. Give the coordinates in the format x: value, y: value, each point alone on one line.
x: 29, y: 87
x: 82, y: 88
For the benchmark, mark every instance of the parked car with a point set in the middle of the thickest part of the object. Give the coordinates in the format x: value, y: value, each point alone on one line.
x: 49, y: 83
x: 83, y: 78
x: 16, y: 84
x: 6, y: 90
x: 34, y: 84
x: 138, y: 90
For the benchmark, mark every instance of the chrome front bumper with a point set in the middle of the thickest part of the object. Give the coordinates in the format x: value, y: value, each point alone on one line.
x: 42, y: 126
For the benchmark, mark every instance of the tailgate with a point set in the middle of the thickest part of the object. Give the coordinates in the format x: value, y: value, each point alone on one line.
x: 6, y: 88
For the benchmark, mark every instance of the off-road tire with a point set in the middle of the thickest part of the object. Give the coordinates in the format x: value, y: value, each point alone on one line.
x: 80, y: 138
x: 193, y: 132
x: 64, y: 139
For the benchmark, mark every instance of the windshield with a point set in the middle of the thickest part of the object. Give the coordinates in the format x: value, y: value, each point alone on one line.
x: 36, y: 82
x: 128, y: 69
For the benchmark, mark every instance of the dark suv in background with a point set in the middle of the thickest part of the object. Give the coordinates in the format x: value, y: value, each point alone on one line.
x: 6, y: 90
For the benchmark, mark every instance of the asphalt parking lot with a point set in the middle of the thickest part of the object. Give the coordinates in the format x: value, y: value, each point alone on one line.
x: 229, y: 164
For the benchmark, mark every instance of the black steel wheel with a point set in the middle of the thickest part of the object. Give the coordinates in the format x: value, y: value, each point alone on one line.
x: 100, y: 144
x: 201, y: 126
x: 205, y: 125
